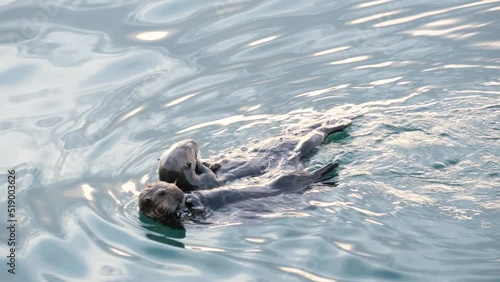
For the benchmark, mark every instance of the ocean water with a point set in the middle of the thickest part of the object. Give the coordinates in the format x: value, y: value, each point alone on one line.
x: 92, y: 92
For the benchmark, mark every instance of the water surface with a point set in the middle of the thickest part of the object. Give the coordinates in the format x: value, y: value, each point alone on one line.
x: 94, y: 91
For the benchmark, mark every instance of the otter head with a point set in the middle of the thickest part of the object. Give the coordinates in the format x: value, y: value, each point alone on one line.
x: 180, y: 165
x: 162, y: 201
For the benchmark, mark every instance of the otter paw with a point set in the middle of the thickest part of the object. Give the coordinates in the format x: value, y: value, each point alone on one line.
x: 214, y: 167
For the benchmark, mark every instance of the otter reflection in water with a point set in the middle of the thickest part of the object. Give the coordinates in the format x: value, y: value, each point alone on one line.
x: 180, y: 163
x: 167, y: 203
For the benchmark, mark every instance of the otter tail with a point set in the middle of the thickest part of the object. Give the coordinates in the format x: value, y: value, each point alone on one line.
x: 322, y: 172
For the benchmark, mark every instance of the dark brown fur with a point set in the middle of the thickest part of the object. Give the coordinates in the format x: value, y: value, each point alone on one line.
x: 160, y: 199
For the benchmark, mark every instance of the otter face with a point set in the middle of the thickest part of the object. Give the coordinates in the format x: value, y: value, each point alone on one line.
x: 161, y: 201
x: 180, y: 165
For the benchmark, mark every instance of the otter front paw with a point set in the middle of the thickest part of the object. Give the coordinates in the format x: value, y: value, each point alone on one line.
x: 214, y: 167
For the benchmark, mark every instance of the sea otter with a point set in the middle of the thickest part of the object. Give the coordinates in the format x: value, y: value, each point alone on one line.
x: 282, y: 152
x: 168, y: 204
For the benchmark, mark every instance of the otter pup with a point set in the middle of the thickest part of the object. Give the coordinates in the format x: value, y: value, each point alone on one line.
x: 286, y: 150
x: 167, y: 203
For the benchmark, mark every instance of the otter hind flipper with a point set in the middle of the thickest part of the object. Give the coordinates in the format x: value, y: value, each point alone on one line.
x: 322, y: 172
x: 333, y: 126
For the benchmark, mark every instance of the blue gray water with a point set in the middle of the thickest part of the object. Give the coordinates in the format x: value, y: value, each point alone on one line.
x: 92, y: 92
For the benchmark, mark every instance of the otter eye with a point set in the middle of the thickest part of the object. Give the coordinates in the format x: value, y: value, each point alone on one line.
x: 189, y: 164
x: 161, y: 193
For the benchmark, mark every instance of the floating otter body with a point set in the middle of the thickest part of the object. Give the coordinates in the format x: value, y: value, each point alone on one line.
x: 167, y: 203
x: 283, y: 152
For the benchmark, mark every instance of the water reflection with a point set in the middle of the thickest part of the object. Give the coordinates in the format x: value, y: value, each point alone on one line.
x: 162, y: 234
x: 152, y: 35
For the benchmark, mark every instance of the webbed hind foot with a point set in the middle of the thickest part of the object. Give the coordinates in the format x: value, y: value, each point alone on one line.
x: 320, y: 173
x: 332, y: 126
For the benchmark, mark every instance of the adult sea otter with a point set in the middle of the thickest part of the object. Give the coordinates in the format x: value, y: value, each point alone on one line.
x: 168, y: 204
x: 180, y: 163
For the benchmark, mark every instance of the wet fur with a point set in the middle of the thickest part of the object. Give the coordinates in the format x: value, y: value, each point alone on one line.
x: 180, y: 165
x: 160, y: 199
